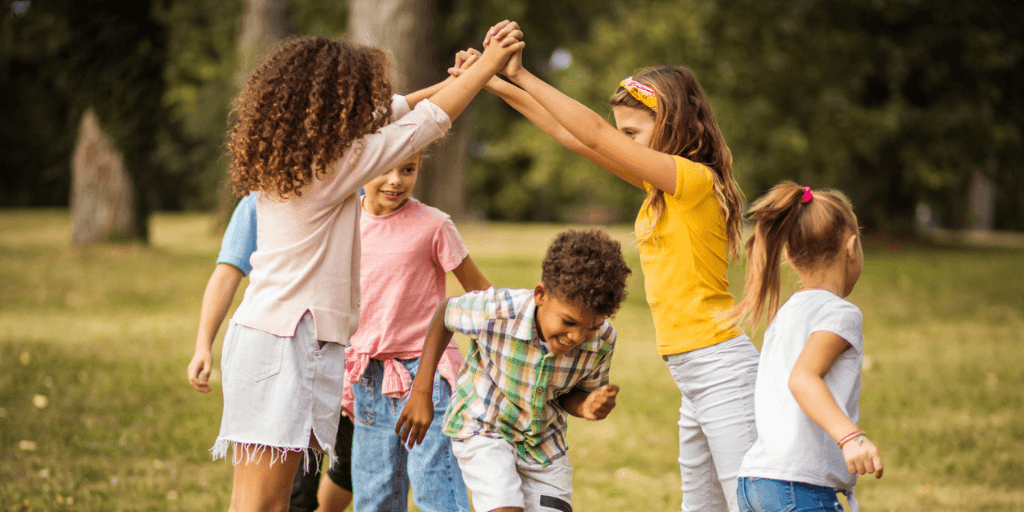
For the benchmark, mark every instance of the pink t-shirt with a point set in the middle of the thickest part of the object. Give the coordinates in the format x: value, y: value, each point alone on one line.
x: 308, y: 253
x: 405, y: 255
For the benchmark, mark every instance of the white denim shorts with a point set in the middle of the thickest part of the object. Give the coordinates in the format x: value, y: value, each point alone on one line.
x: 277, y: 390
x: 497, y: 476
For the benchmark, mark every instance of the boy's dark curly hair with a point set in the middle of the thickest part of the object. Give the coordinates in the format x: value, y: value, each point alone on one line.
x: 586, y: 268
x: 303, y: 107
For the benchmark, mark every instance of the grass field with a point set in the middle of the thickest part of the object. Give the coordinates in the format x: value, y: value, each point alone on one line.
x: 96, y: 413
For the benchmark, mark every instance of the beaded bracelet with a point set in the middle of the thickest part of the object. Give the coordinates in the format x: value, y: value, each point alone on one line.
x: 849, y: 437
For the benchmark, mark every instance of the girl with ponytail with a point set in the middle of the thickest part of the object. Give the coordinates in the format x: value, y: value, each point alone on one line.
x: 808, y: 445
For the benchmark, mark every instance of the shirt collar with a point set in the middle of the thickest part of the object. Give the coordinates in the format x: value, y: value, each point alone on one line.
x: 527, y: 329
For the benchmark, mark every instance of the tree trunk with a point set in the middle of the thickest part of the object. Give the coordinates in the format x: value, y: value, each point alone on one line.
x: 981, y: 201
x: 263, y: 24
x: 405, y: 28
x: 102, y: 193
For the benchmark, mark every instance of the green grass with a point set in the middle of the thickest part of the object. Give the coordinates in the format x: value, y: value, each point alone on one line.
x: 105, y: 334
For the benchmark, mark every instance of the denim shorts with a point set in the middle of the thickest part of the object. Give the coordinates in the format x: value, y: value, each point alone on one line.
x: 767, y: 495
x: 383, y: 468
x: 278, y: 390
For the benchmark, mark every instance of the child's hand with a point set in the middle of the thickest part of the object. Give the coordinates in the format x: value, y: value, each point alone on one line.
x: 199, y: 370
x: 514, y: 65
x: 416, y: 417
x: 862, y: 456
x: 506, y: 38
x: 464, y: 60
x: 600, y: 402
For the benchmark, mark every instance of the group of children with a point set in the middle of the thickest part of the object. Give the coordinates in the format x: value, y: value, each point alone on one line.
x: 329, y: 268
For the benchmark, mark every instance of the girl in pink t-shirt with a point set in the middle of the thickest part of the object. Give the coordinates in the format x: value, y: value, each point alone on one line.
x: 315, y: 122
x: 407, y: 248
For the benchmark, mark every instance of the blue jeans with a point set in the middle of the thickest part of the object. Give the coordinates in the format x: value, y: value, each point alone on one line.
x: 766, y: 495
x: 382, y: 467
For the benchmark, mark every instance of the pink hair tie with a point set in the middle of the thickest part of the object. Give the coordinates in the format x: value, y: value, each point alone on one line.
x: 807, y: 195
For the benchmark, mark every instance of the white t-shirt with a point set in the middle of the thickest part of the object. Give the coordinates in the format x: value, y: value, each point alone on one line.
x: 790, y: 446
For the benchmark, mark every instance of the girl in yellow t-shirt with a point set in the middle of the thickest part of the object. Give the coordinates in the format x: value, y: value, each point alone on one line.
x: 668, y: 143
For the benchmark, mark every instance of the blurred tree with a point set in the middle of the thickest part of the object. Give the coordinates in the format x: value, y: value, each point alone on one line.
x: 897, y: 102
x: 407, y: 29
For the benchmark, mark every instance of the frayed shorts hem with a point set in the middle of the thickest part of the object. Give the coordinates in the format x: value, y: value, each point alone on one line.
x: 251, y: 453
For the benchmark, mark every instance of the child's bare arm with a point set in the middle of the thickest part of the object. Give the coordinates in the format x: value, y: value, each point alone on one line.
x: 808, y: 387
x: 470, y: 277
x: 220, y: 291
x: 590, y: 405
x: 415, y: 97
x: 454, y: 98
x: 418, y: 413
x: 625, y: 156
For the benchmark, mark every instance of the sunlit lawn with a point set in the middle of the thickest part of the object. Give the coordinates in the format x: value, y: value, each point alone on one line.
x: 96, y: 414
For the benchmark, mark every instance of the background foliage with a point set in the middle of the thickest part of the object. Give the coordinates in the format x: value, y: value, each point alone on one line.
x: 897, y: 102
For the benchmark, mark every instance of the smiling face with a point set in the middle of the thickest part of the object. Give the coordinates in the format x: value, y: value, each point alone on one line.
x: 388, y: 192
x: 636, y: 123
x: 561, y: 324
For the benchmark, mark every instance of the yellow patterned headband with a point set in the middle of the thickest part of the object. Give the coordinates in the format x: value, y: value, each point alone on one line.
x: 641, y: 92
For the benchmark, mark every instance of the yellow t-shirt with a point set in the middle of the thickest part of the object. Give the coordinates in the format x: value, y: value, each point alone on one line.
x: 684, y: 261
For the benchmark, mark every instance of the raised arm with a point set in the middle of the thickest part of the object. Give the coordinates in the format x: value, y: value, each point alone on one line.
x: 807, y: 383
x: 535, y: 112
x: 622, y: 155
x: 506, y: 40
x: 415, y: 97
x: 418, y: 413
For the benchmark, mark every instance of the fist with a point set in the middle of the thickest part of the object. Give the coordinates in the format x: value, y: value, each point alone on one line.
x: 600, y: 402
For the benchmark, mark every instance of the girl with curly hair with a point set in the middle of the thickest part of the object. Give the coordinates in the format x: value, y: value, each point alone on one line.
x: 667, y: 143
x: 316, y: 121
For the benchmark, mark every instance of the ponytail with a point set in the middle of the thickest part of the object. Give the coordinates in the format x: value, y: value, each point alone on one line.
x: 810, y: 226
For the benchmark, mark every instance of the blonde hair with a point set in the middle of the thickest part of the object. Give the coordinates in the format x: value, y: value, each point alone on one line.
x: 811, y: 232
x: 685, y: 126
x: 302, y: 108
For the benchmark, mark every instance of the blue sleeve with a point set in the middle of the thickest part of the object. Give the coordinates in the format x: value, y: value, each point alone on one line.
x: 240, y: 238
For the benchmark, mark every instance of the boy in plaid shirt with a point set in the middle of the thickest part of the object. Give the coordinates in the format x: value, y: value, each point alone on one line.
x: 534, y: 356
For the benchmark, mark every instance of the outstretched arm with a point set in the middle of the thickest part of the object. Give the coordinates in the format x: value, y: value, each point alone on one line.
x: 530, y: 109
x: 807, y: 383
x: 621, y: 154
x: 505, y: 39
x: 418, y: 413
x: 415, y: 97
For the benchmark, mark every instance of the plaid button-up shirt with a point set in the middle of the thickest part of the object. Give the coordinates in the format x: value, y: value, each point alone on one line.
x: 509, y: 384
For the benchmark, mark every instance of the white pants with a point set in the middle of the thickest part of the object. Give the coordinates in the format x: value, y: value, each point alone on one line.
x: 716, y: 420
x: 498, y: 477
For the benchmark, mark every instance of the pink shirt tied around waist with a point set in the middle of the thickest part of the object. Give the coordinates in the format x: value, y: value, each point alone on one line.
x: 309, y: 248
x: 405, y: 256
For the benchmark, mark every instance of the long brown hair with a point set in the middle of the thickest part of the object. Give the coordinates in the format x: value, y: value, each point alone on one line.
x: 811, y: 232
x: 685, y: 126
x: 301, y: 110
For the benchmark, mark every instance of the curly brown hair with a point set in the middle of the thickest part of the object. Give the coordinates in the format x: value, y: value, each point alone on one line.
x: 586, y: 268
x: 302, y: 108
